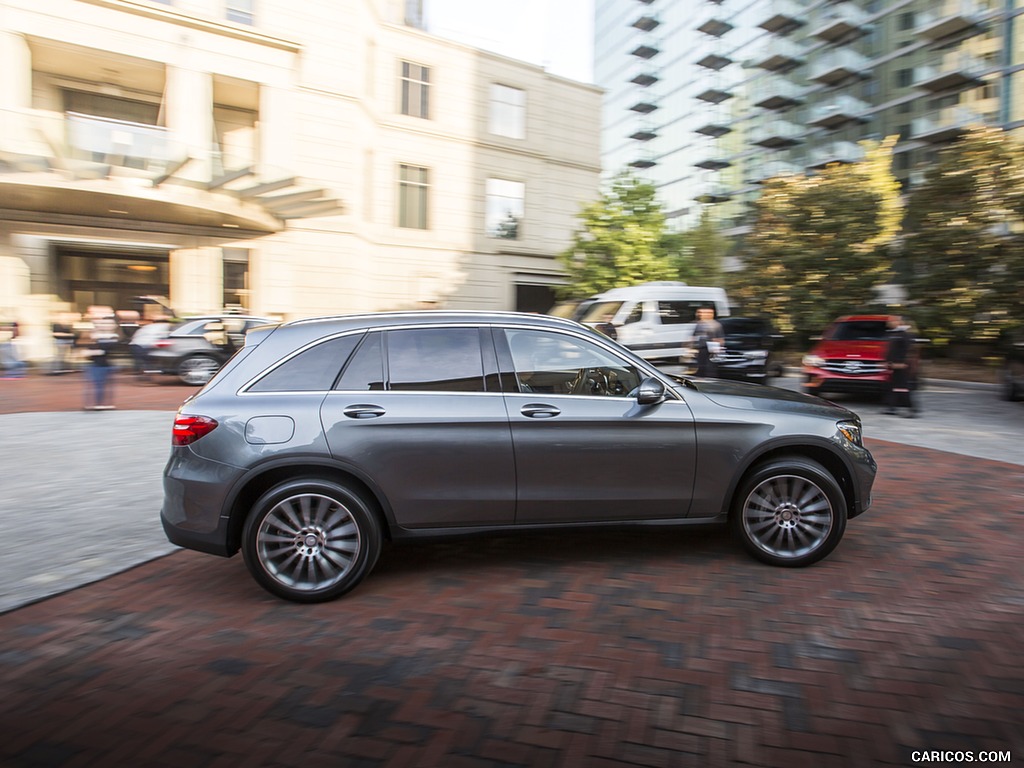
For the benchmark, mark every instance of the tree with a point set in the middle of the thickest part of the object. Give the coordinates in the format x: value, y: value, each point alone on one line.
x: 819, y: 246
x: 622, y: 241
x: 963, y: 246
x: 698, y: 254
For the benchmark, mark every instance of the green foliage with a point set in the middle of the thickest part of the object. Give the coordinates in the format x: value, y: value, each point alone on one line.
x: 622, y: 241
x: 963, y: 252
x: 819, y: 245
x: 698, y: 253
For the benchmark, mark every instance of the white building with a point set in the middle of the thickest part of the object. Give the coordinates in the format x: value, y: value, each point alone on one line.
x: 294, y: 158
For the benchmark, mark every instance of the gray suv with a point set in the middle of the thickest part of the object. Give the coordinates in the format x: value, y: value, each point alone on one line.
x: 321, y: 438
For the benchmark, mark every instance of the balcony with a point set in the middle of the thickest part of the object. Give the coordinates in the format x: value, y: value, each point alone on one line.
x: 778, y: 93
x: 779, y: 54
x: 772, y: 169
x: 839, y: 111
x: 839, y: 22
x: 644, y: 107
x: 103, y: 169
x: 715, y: 129
x: 713, y: 163
x: 957, y: 72
x: 959, y: 18
x: 776, y: 134
x: 644, y: 51
x: 784, y: 16
x: 714, y: 27
x: 642, y: 73
x: 837, y: 65
x: 647, y: 23
x: 714, y: 95
x: 944, y: 125
x: 714, y: 61
x: 714, y: 194
x: 643, y: 163
x: 643, y: 135
x: 835, y: 152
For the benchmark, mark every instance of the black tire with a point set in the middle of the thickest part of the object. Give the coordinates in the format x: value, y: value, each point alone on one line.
x: 789, y: 512
x: 1009, y: 390
x: 309, y: 540
x: 196, y: 370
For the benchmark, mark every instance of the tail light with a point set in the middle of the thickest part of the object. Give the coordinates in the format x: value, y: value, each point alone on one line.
x: 163, y: 344
x: 188, y: 429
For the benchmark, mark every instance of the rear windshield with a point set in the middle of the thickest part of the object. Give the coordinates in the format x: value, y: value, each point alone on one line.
x: 859, y: 330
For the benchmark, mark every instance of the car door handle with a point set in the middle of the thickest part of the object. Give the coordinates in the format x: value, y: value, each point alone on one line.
x: 363, y: 411
x: 539, y: 411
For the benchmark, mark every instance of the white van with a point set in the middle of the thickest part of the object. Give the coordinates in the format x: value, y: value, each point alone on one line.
x: 655, y: 320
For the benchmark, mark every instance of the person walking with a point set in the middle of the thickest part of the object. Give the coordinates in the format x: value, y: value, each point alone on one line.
x: 709, y: 338
x: 11, y: 364
x: 104, y: 338
x: 899, y: 359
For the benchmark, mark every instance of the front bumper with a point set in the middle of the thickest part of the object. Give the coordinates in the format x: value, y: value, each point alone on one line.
x: 817, y: 380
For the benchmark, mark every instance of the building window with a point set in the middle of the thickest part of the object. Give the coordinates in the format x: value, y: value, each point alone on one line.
x: 904, y: 77
x: 413, y: 187
x: 905, y: 21
x: 505, y: 207
x: 414, y: 14
x: 415, y: 90
x: 241, y: 11
x: 990, y: 90
x: 508, y: 111
x: 905, y: 107
x: 236, y: 277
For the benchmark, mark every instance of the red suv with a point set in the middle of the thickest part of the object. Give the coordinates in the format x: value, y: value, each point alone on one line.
x: 849, y: 357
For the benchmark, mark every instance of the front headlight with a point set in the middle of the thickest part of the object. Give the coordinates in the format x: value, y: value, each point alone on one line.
x: 814, y: 361
x: 851, y: 430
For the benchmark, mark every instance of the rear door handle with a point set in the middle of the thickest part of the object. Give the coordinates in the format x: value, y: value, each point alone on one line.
x: 539, y: 411
x: 363, y: 411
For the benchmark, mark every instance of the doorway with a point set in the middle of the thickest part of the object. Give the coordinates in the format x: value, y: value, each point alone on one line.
x: 88, y: 277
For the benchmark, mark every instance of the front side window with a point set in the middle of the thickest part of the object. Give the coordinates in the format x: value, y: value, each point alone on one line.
x: 508, y: 111
x: 505, y: 208
x: 415, y: 90
x: 435, y: 360
x: 558, y: 364
x: 241, y: 11
x: 413, y: 186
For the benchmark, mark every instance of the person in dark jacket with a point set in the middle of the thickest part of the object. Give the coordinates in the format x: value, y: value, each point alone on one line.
x: 709, y: 339
x: 899, y: 359
x: 103, y: 340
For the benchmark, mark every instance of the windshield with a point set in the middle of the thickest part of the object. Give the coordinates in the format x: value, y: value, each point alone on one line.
x: 859, y: 330
x: 601, y: 312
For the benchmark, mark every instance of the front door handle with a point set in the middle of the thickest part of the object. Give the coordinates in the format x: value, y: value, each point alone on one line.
x: 539, y: 411
x: 363, y: 411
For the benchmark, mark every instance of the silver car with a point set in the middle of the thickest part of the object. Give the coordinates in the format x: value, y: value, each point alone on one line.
x: 321, y: 438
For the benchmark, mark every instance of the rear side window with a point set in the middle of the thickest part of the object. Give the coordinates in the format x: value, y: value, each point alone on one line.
x: 435, y: 360
x: 312, y: 370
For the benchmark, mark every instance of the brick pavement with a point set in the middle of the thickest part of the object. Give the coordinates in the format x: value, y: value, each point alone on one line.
x: 39, y: 393
x: 599, y: 649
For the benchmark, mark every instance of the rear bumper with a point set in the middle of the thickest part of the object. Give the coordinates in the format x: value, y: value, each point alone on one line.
x: 195, y: 496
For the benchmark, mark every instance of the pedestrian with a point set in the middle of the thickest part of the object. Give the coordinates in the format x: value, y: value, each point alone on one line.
x: 143, y: 341
x: 900, y: 360
x: 709, y: 339
x: 100, y: 370
x: 63, y: 330
x: 10, y: 361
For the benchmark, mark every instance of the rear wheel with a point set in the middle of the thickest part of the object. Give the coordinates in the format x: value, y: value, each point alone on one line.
x: 789, y: 512
x: 310, y: 540
x: 197, y: 369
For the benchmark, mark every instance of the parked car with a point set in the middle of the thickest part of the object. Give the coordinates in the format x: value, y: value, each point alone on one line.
x: 747, y: 356
x: 850, y: 357
x: 323, y: 437
x: 655, y: 320
x: 194, y: 349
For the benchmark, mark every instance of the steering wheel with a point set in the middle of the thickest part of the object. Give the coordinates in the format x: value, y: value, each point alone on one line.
x: 591, y: 381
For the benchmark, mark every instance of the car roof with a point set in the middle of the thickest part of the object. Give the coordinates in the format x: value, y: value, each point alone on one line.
x: 428, y: 317
x: 861, y: 318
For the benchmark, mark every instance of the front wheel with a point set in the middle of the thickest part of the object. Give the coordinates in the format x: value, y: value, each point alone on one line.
x: 789, y: 512
x: 310, y: 540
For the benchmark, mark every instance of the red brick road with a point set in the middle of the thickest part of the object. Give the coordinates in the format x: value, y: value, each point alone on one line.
x: 596, y: 649
x: 67, y: 392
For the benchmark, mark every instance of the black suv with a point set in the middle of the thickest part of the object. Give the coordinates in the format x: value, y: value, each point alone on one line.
x: 747, y: 356
x: 196, y: 348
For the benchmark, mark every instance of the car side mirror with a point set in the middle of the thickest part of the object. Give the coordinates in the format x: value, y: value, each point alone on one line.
x: 650, y: 392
